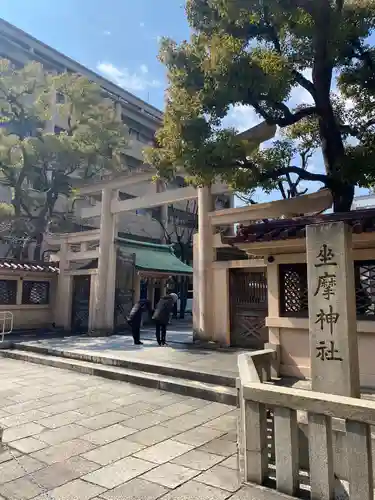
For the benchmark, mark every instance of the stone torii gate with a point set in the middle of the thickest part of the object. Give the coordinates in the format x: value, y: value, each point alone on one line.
x: 108, y: 209
x: 110, y: 206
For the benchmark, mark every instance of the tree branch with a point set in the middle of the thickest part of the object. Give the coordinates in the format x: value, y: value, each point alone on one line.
x: 278, y: 172
x: 304, y: 82
x: 281, y: 189
x: 289, y: 118
x: 272, y: 32
x: 362, y: 54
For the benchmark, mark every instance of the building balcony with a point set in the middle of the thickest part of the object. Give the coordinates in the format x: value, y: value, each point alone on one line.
x: 136, y: 148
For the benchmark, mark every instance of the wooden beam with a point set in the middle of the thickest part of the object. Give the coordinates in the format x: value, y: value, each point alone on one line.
x: 90, y: 212
x: 315, y: 202
x: 117, y: 183
x: 260, y: 133
x: 85, y: 255
x: 164, y: 198
x: 154, y: 200
x: 84, y: 236
x: 239, y: 264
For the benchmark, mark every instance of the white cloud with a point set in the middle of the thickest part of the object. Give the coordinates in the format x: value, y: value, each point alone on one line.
x: 107, y: 33
x: 124, y: 78
x: 299, y: 95
x: 241, y: 118
x: 142, y: 24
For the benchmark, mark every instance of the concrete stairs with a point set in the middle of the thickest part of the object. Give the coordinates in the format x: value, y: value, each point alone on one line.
x: 165, y: 377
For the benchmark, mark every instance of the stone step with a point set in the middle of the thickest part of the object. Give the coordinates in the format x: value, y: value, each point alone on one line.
x: 192, y: 388
x: 150, y: 367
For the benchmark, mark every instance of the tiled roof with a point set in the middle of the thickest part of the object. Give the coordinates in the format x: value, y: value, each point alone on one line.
x: 153, y: 257
x: 361, y: 221
x: 19, y: 265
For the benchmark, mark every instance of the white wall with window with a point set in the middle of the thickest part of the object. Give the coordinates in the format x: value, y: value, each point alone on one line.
x: 28, y: 295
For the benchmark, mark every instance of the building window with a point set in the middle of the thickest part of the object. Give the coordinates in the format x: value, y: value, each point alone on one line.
x: 8, y: 292
x: 35, y: 292
x: 134, y: 134
x: 132, y: 162
x: 60, y: 98
x: 58, y: 130
x: 294, y: 290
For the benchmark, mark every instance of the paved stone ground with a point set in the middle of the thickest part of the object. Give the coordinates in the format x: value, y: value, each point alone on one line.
x: 81, y: 437
x: 222, y: 362
x: 179, y: 331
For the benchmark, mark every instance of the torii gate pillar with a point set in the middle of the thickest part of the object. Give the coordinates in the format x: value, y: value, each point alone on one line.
x: 203, y: 259
x: 103, y: 320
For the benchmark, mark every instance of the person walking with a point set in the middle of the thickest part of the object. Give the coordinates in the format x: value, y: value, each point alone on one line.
x: 135, y: 318
x: 162, y: 315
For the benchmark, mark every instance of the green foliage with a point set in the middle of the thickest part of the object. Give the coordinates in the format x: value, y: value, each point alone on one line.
x: 255, y: 53
x: 41, y: 166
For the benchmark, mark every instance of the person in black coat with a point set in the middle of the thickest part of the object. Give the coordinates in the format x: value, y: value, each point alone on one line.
x: 162, y: 315
x: 135, y: 318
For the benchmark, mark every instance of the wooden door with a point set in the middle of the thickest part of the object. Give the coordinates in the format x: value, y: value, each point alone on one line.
x: 248, y: 308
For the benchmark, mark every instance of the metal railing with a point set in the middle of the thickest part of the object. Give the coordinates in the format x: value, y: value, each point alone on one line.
x: 6, y: 323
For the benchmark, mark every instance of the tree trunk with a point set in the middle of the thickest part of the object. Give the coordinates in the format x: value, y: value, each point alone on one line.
x: 38, y: 246
x: 17, y: 228
x: 330, y: 135
x: 343, y: 197
x: 40, y: 231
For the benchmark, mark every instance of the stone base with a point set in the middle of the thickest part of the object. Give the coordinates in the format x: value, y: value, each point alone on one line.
x: 257, y: 492
x: 199, y: 335
x: 100, y: 333
x: 7, y: 344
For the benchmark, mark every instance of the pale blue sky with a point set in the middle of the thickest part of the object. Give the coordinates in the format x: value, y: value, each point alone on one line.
x: 119, y: 39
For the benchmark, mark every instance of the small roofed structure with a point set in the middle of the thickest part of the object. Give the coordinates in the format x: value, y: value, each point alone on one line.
x: 27, y: 292
x: 260, y: 236
x: 135, y: 266
x: 282, y: 246
x: 153, y: 259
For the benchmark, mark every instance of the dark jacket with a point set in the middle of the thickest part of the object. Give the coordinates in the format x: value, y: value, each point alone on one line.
x: 139, y: 307
x: 163, y: 310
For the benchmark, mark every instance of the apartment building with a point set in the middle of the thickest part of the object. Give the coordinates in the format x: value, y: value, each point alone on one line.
x: 141, y: 118
x: 363, y: 202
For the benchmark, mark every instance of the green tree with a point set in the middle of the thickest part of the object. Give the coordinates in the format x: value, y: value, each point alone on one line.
x: 283, y: 154
x: 40, y: 166
x: 179, y: 232
x: 256, y: 53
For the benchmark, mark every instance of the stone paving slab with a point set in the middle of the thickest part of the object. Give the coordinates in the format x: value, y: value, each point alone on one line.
x: 79, y: 437
x: 221, y: 362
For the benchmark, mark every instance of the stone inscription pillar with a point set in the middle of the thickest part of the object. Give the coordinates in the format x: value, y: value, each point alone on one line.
x: 332, y: 310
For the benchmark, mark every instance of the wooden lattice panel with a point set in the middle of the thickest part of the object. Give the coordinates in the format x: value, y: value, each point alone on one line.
x: 35, y: 292
x: 8, y: 291
x: 248, y: 331
x: 365, y: 288
x: 293, y: 290
x: 248, y: 295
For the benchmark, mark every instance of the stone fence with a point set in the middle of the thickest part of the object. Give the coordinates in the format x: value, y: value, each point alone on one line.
x: 278, y: 461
